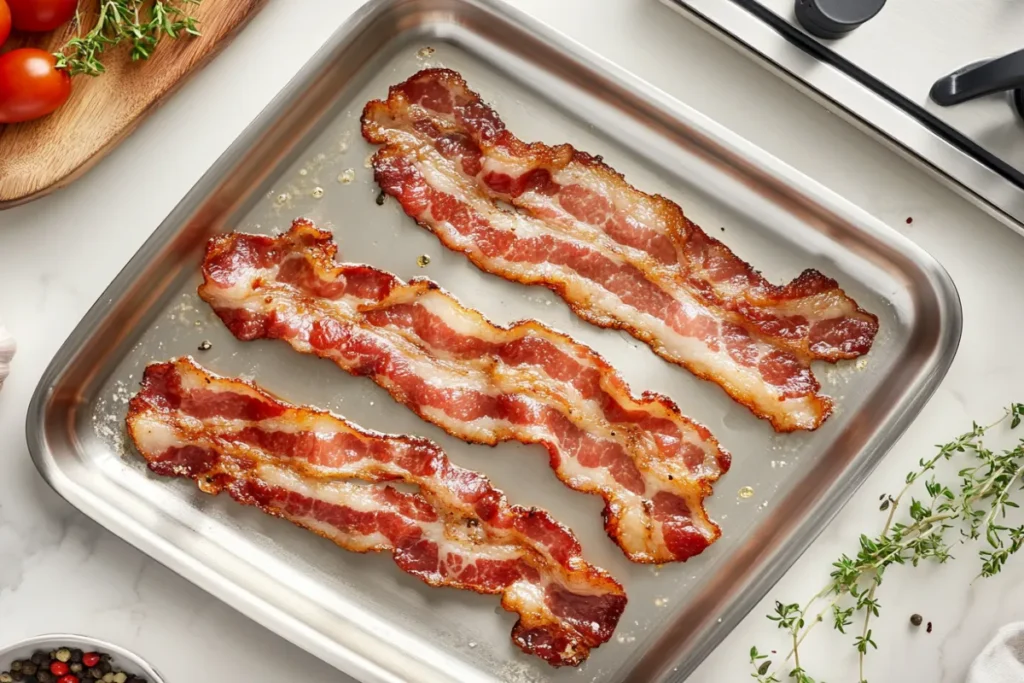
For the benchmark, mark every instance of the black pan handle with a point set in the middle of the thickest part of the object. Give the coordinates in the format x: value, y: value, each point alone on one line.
x: 981, y: 78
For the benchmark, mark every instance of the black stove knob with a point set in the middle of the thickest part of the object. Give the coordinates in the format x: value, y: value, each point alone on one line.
x: 835, y: 18
x: 987, y: 77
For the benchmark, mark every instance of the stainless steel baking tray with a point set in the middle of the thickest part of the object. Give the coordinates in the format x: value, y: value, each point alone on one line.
x: 359, y: 612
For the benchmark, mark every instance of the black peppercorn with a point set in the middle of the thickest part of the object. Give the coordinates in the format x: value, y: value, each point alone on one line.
x: 44, y: 676
x: 28, y: 668
x: 95, y: 673
x: 30, y: 679
x: 76, y: 655
x: 16, y: 665
x: 17, y: 676
x: 105, y: 666
x: 916, y: 619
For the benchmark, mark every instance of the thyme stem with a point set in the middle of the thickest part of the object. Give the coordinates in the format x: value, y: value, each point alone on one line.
x: 140, y: 23
x: 975, y: 510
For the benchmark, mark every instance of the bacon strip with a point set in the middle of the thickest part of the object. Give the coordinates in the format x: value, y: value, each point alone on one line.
x: 478, y: 381
x: 619, y: 257
x: 302, y: 464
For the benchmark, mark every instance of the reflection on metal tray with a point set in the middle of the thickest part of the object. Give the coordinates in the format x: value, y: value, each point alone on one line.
x: 359, y: 612
x: 973, y: 147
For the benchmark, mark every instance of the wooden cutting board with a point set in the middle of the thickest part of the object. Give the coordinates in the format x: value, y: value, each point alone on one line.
x: 40, y: 156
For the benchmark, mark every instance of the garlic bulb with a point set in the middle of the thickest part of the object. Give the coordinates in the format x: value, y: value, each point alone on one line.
x: 7, y: 349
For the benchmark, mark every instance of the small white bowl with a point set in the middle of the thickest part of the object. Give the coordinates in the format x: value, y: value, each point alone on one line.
x: 127, y: 661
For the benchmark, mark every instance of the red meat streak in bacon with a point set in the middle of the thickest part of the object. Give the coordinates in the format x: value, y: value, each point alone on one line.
x: 660, y: 463
x: 226, y: 434
x: 660, y: 265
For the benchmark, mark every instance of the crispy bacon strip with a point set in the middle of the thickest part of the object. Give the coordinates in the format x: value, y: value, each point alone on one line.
x: 478, y: 381
x: 303, y: 464
x: 619, y: 257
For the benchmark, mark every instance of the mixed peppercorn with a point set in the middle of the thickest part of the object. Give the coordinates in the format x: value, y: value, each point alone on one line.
x: 66, y: 665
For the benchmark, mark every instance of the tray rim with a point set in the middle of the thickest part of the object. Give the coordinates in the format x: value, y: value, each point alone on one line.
x: 362, y: 667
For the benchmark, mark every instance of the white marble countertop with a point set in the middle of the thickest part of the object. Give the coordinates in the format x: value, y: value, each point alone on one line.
x: 61, y: 572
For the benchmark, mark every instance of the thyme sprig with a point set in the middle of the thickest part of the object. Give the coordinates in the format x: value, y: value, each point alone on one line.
x: 945, y: 516
x: 139, y: 23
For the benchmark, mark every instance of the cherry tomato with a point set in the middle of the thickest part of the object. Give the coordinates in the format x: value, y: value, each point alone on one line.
x: 31, y: 85
x: 41, y: 15
x: 5, y: 21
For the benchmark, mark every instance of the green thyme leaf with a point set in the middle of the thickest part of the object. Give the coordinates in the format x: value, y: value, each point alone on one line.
x: 141, y: 24
x: 974, y: 508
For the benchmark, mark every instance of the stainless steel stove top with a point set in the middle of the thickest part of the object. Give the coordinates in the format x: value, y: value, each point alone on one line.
x: 880, y: 75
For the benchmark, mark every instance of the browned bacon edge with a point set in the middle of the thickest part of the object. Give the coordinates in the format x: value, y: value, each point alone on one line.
x: 230, y: 258
x: 809, y: 319
x: 218, y: 458
x: 701, y: 261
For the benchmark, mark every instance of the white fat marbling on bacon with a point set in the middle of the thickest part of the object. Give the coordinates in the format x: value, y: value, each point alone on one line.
x: 478, y: 381
x: 480, y: 430
x: 330, y: 477
x: 581, y: 229
x: 706, y: 356
x: 803, y: 412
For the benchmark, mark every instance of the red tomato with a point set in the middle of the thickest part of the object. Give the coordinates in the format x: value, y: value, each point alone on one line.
x: 31, y: 85
x: 41, y: 15
x: 5, y: 21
